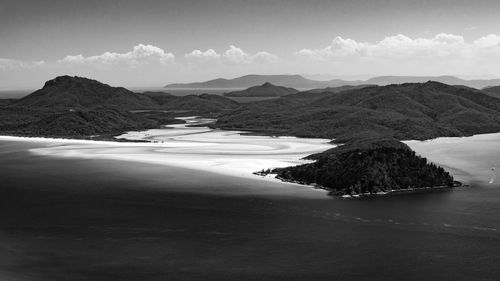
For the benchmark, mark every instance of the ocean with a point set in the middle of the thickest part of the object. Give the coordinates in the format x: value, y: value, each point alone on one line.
x: 67, y: 218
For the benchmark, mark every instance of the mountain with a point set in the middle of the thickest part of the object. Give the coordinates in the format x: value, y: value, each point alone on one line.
x: 406, y: 111
x: 299, y: 82
x: 338, y: 89
x: 493, y: 91
x: 203, y: 103
x: 77, y: 107
x: 369, y: 122
x: 450, y: 80
x: 293, y: 81
x: 79, y: 92
x: 265, y: 90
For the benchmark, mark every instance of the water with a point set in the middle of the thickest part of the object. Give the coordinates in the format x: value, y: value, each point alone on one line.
x: 65, y: 218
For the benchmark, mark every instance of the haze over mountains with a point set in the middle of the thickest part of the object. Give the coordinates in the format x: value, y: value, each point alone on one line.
x: 299, y: 82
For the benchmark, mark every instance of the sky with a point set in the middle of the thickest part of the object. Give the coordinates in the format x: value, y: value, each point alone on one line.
x: 153, y: 43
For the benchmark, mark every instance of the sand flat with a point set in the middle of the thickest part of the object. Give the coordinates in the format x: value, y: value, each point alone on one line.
x: 200, y: 148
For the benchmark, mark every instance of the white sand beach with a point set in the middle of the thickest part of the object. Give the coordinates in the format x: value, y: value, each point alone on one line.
x: 200, y: 148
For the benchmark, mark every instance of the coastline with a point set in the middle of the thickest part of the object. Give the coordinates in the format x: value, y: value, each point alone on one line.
x: 392, y: 192
x: 223, y: 152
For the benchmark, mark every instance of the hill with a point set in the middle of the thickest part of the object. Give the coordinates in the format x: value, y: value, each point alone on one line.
x: 369, y: 123
x: 78, y: 92
x: 292, y: 81
x: 265, y: 90
x: 368, y: 169
x: 203, y: 103
x: 77, y: 107
x: 406, y: 111
x: 81, y: 123
x: 338, y: 89
x: 493, y: 91
x: 299, y: 82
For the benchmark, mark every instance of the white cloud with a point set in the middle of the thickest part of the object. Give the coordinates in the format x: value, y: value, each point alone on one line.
x: 233, y: 55
x: 140, y: 54
x: 488, y: 41
x: 390, y: 47
x: 237, y: 55
x: 200, y: 56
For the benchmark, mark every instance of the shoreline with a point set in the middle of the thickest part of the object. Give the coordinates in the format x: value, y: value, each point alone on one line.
x: 181, y: 145
x: 392, y: 192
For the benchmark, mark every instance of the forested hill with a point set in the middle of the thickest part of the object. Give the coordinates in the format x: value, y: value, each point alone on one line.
x: 368, y: 168
x: 406, y: 111
x: 79, y: 92
x: 493, y: 91
x: 77, y: 107
x: 265, y: 90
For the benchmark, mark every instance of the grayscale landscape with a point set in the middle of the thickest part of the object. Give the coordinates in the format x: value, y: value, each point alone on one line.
x: 249, y: 140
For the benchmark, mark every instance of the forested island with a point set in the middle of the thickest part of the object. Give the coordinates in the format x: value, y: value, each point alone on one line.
x: 366, y: 122
x: 376, y: 168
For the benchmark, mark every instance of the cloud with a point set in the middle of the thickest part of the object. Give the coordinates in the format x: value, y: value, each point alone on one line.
x: 233, y: 55
x: 197, y: 56
x: 488, y: 41
x: 140, y: 54
x: 397, y: 46
x: 237, y: 55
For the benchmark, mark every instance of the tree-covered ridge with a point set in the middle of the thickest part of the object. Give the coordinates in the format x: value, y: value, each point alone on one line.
x: 77, y: 107
x: 265, y: 90
x: 382, y: 168
x: 406, y: 111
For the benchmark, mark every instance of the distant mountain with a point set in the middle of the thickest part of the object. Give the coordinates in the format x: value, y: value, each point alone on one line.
x: 79, y: 92
x: 406, y: 111
x: 265, y: 90
x: 337, y: 89
x: 493, y: 91
x: 450, y: 80
x: 293, y: 81
x: 299, y: 82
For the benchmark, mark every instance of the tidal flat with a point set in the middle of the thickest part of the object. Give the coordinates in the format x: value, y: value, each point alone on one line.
x: 68, y: 217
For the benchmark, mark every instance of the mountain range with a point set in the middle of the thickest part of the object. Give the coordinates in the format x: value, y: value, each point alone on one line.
x: 368, y: 120
x: 400, y: 111
x: 299, y: 82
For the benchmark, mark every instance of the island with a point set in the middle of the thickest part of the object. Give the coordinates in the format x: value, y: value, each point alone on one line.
x: 366, y: 123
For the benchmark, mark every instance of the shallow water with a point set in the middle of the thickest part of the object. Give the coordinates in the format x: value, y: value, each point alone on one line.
x: 218, y: 151
x: 73, y: 218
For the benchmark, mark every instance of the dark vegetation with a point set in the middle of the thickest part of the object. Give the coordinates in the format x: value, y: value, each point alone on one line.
x: 407, y: 111
x: 367, y: 169
x: 77, y: 107
x: 369, y: 122
x: 493, y: 91
x: 265, y: 90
